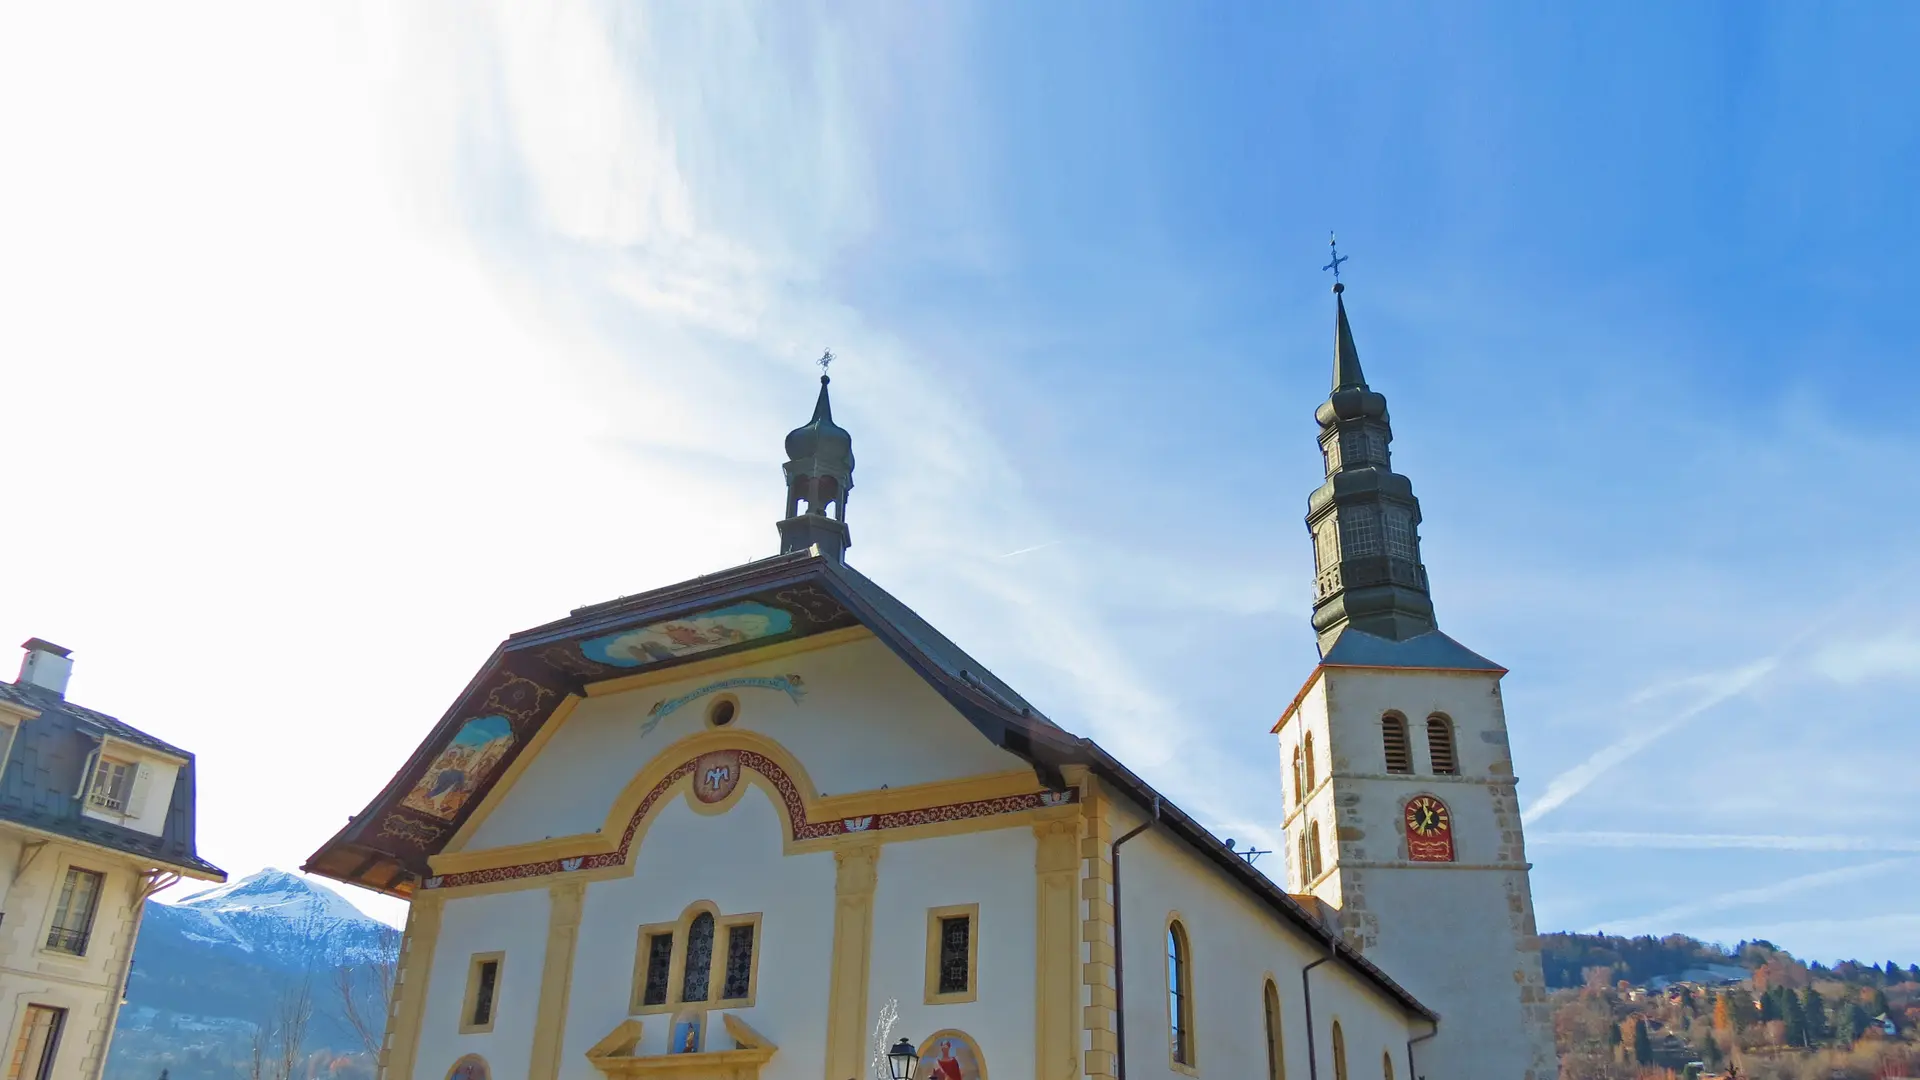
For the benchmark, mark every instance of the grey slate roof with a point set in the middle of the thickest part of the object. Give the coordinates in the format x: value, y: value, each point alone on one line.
x: 1432, y: 650
x: 43, y: 771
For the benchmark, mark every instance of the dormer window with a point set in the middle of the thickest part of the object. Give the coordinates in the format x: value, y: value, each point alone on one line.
x: 112, y: 785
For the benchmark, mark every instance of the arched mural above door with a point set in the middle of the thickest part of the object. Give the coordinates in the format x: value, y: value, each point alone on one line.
x: 471, y: 1067
x: 950, y: 1055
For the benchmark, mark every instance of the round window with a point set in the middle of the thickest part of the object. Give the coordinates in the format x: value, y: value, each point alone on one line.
x: 722, y: 712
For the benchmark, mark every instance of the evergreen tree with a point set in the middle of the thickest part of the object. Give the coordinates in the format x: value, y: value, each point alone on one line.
x: 1854, y: 1021
x: 1815, y: 1009
x: 1913, y: 973
x: 1689, y: 1073
x: 1613, y: 1037
x: 1642, y: 1045
x: 1770, y: 1006
x: 1796, y: 1018
x: 1877, y: 1003
x: 1893, y: 972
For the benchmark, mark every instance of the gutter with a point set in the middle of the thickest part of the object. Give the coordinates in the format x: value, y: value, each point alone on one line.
x: 1306, y: 993
x: 1412, y: 1073
x: 1119, y: 954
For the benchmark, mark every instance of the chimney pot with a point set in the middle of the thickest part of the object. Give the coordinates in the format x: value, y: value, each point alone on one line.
x: 46, y: 665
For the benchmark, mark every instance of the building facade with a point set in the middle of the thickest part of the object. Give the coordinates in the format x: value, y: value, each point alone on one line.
x: 761, y: 823
x: 95, y: 817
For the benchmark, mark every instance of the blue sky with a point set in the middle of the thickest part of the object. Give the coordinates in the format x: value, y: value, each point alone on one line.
x: 341, y: 335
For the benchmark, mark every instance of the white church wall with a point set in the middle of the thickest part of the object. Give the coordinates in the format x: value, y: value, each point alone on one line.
x: 1237, y: 943
x: 857, y: 693
x: 994, y: 869
x: 734, y: 860
x: 513, y: 923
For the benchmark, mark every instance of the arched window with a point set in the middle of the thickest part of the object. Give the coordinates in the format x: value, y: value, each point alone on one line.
x: 699, y: 963
x: 1303, y: 863
x: 1179, y: 995
x: 1440, y: 746
x: 1393, y: 738
x: 1308, y: 772
x: 1276, y: 1048
x: 1339, y: 1052
x: 1313, y: 850
x: 1386, y: 1065
x: 1299, y: 777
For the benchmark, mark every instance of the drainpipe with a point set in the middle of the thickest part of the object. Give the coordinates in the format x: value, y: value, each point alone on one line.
x: 1411, y: 1073
x: 1306, y: 993
x: 1119, y: 971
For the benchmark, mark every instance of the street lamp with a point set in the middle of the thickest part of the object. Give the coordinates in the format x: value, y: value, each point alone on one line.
x: 901, y: 1060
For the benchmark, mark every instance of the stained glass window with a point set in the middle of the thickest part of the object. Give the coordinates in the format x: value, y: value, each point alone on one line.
x: 739, y: 962
x: 699, y: 969
x: 659, y: 963
x: 954, y: 936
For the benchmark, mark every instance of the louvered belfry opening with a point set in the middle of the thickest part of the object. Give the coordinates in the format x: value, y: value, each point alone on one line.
x: 1440, y: 746
x: 1393, y: 736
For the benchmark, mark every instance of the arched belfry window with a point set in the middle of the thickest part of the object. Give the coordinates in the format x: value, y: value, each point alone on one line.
x: 1339, y: 1052
x: 1299, y: 777
x: 1440, y: 746
x: 1313, y: 850
x: 699, y: 963
x: 1307, y: 770
x: 1179, y: 994
x: 1393, y: 739
x: 1276, y: 1047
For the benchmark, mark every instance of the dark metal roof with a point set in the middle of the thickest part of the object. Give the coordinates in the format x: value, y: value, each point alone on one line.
x: 1432, y: 650
x: 44, y: 771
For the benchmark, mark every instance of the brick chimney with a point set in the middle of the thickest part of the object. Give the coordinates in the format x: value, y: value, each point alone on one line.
x: 46, y: 665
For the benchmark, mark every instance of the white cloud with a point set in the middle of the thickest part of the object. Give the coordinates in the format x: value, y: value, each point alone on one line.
x: 1892, y: 657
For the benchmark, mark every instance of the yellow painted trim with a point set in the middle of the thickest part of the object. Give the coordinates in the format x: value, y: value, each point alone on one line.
x: 722, y: 935
x: 622, y: 1041
x: 856, y: 873
x: 743, y: 1033
x: 1096, y: 932
x: 1177, y: 922
x: 471, y: 999
x: 564, y: 903
x: 620, y: 684
x: 643, y: 959
x: 1056, y: 871
x: 935, y: 917
x: 979, y: 1059
x: 606, y: 839
x: 1339, y: 1044
x: 410, y: 987
x: 498, y: 792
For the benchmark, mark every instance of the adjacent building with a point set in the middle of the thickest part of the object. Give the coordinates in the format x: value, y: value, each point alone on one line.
x: 762, y: 823
x: 95, y: 817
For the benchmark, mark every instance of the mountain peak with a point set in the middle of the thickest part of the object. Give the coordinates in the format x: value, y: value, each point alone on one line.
x: 278, y: 891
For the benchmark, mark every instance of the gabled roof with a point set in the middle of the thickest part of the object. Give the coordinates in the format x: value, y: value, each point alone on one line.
x: 386, y: 846
x: 45, y: 769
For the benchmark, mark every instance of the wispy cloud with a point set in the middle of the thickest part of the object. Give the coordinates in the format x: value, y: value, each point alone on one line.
x: 1028, y: 550
x: 1894, y: 656
x: 1721, y: 841
x: 1760, y: 894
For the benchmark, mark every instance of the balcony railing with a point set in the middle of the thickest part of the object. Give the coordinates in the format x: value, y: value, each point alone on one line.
x: 65, y: 939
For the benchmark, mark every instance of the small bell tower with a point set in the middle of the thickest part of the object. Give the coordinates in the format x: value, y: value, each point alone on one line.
x: 819, y: 473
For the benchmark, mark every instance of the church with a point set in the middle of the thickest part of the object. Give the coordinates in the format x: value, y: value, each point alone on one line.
x: 770, y: 824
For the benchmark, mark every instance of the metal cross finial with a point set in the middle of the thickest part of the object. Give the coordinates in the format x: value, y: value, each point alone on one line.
x: 826, y: 357
x: 1334, y: 243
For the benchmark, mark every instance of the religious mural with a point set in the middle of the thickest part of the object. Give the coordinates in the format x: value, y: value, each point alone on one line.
x: 471, y: 1067
x: 949, y: 1055
x: 675, y: 639
x: 462, y: 768
x: 715, y: 775
x: 685, y: 1036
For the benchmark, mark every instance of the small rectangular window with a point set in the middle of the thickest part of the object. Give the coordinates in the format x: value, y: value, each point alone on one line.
x: 73, y: 915
x: 659, y: 969
x: 483, y: 992
x: 953, y: 951
x: 1359, y: 534
x: 112, y: 783
x: 39, y: 1041
x: 738, y: 983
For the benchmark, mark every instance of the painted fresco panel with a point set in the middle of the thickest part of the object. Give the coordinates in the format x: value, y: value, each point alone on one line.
x: 675, y: 639
x: 463, y: 768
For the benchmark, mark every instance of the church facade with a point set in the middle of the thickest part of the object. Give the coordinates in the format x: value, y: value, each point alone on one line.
x: 763, y: 823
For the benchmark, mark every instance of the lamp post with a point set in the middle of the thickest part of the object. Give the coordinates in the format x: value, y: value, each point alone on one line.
x: 901, y: 1060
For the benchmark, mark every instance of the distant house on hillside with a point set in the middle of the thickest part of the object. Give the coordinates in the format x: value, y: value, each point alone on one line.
x: 95, y: 817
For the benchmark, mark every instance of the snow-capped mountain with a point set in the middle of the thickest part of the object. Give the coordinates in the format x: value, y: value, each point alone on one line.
x: 212, y: 968
x: 280, y: 915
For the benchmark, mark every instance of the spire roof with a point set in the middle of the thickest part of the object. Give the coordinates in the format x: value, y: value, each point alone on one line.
x: 1346, y: 358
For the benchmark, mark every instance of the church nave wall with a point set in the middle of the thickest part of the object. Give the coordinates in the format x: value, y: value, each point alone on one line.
x: 1235, y: 943
x: 513, y: 924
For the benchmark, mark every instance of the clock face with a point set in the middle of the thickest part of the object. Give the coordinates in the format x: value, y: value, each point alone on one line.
x: 1427, y: 815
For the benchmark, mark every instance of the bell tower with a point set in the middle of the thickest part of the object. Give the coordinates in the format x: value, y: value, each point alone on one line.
x: 1400, y: 811
x: 819, y: 473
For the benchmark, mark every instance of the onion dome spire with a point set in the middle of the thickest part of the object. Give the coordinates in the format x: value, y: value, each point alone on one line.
x: 819, y: 473
x: 1364, y: 519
